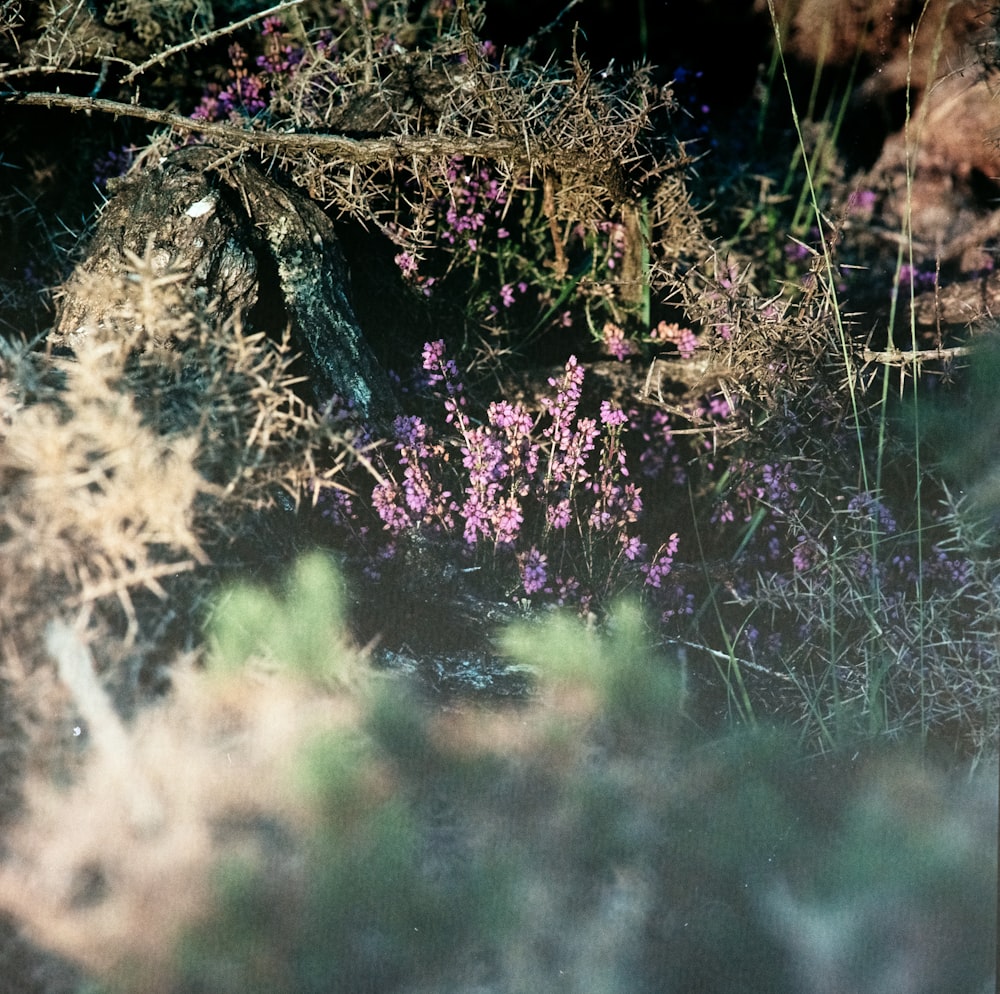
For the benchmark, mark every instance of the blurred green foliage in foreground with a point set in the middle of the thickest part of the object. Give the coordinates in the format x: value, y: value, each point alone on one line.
x: 592, y: 839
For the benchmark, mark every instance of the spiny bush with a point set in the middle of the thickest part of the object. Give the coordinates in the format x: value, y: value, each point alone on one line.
x: 123, y: 467
x: 291, y: 821
x: 419, y: 129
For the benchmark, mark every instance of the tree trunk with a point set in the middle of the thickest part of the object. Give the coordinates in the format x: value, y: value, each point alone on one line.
x: 247, y: 244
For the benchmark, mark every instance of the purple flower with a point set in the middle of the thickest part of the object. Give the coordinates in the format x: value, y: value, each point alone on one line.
x: 660, y: 567
x: 407, y: 264
x: 861, y: 201
x: 803, y: 555
x: 679, y: 603
x: 613, y: 417
x: 558, y: 515
x: 508, y: 520
x: 410, y: 432
x: 616, y: 343
x: 574, y: 445
x: 921, y: 279
x: 337, y: 506
x: 440, y: 369
x: 633, y: 548
x: 385, y: 500
x: 533, y: 571
x: 683, y: 338
x: 513, y: 418
x: 870, y: 509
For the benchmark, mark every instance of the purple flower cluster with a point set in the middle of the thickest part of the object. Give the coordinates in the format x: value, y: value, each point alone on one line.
x: 246, y: 95
x: 547, y: 494
x: 662, y: 562
x: 617, y: 241
x: 475, y: 197
x: 871, y: 510
x: 468, y: 219
x: 767, y: 484
x: 919, y: 279
x: 684, y: 339
x: 534, y: 571
x: 279, y: 56
x: 507, y: 292
x: 615, y: 342
x: 420, y: 499
x: 862, y: 202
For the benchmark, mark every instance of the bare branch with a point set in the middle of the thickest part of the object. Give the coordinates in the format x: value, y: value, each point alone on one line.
x: 162, y: 57
x: 896, y: 357
x: 358, y: 151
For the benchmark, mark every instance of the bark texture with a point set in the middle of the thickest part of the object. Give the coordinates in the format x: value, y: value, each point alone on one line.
x: 246, y: 244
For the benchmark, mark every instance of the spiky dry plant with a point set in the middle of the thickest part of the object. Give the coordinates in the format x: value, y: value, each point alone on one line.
x: 376, y: 106
x: 879, y: 645
x: 125, y: 468
x: 291, y: 821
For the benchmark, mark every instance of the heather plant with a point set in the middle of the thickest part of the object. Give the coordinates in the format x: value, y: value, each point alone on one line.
x: 545, y: 500
x: 844, y: 579
x: 782, y: 520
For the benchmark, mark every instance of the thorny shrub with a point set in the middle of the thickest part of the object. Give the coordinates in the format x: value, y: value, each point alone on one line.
x: 551, y: 237
x: 500, y: 175
x: 123, y: 466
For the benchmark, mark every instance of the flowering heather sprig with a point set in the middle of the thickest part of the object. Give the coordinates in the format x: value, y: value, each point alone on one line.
x: 438, y: 368
x: 489, y: 510
x: 279, y: 56
x: 523, y: 482
x: 562, y: 410
x: 408, y: 264
x: 440, y: 371
x: 249, y: 93
x: 468, y: 221
x: 421, y: 498
x: 615, y: 342
x: 657, y: 570
x: 763, y: 498
x: 714, y: 407
x: 476, y: 197
x: 805, y: 553
x: 869, y: 508
x: 617, y: 240
x: 534, y: 572
x: 684, y: 339
x: 616, y: 504
x: 246, y: 96
x: 507, y: 292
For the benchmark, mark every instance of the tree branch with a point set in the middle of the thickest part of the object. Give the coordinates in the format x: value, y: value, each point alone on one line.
x: 897, y: 357
x: 162, y: 57
x: 358, y: 151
